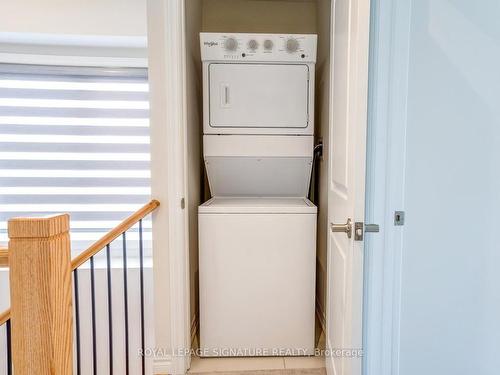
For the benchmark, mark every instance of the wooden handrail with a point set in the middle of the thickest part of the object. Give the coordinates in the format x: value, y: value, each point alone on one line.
x: 125, y: 225
x: 4, y: 262
x: 103, y: 241
x: 4, y: 316
x: 4, y: 257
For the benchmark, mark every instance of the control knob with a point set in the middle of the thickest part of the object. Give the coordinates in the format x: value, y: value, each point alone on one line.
x: 268, y: 44
x: 231, y: 44
x: 292, y: 45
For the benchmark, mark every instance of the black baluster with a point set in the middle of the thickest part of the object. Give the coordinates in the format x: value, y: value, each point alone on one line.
x: 125, y: 297
x: 92, y: 296
x: 9, y: 348
x: 110, y: 311
x: 141, y: 262
x: 77, y: 324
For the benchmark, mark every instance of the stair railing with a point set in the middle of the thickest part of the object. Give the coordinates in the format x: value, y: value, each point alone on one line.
x: 39, y: 325
x: 4, y: 257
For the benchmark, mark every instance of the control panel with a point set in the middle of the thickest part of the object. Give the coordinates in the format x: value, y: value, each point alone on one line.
x: 258, y: 47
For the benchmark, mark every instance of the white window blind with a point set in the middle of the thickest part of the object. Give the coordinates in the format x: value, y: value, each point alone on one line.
x: 74, y: 140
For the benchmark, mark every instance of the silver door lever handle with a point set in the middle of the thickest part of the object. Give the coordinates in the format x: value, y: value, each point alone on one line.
x: 343, y: 228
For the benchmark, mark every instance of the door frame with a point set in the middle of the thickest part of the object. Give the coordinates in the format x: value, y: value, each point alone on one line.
x: 386, y: 151
x: 386, y: 141
x: 167, y: 80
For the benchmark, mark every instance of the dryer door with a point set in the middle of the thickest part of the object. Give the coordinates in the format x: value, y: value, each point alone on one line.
x: 258, y: 95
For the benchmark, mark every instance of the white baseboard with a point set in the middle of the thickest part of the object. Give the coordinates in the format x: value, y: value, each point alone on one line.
x: 163, y: 366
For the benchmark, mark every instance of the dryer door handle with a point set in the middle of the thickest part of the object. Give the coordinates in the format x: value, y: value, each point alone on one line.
x: 225, y: 95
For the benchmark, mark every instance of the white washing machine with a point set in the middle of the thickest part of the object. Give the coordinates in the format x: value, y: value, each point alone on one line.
x: 257, y: 235
x: 257, y: 276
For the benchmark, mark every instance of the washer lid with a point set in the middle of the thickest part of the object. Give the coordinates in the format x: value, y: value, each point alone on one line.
x: 257, y: 205
x: 258, y: 166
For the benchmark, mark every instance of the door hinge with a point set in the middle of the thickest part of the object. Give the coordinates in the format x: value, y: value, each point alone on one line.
x: 183, y: 203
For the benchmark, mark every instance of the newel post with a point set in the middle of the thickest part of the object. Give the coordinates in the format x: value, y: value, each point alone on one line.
x: 40, y: 294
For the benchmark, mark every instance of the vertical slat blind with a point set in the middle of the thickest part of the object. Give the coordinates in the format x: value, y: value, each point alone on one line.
x: 74, y: 140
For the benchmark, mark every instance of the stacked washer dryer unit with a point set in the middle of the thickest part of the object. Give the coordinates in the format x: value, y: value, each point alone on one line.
x: 257, y: 235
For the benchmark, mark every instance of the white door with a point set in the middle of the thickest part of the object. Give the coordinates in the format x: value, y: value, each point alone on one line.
x: 259, y: 95
x: 346, y: 183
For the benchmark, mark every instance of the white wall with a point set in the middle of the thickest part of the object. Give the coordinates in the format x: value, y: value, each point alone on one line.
x: 450, y: 300
x: 84, y: 17
x: 259, y: 16
x: 448, y: 303
x: 80, y: 33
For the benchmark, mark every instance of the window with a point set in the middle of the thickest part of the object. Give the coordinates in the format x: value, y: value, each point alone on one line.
x: 74, y: 140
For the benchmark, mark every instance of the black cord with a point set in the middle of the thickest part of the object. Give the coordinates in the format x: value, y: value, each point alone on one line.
x: 317, y: 152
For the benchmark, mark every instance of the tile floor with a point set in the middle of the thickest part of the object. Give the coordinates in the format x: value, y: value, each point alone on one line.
x: 262, y: 365
x: 217, y: 365
x: 314, y: 371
